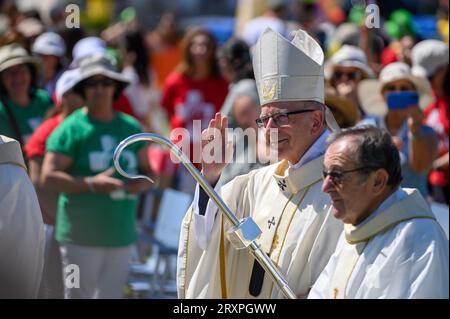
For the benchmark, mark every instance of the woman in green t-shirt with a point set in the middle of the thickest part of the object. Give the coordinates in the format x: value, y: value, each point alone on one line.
x: 95, y: 222
x: 22, y: 105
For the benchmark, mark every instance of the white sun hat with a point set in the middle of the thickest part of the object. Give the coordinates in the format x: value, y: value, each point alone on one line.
x: 428, y: 56
x: 66, y: 82
x: 349, y: 56
x: 290, y: 71
x: 49, y: 43
x: 369, y: 91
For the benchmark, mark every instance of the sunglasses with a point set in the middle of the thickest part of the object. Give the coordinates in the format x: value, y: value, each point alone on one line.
x: 337, y: 177
x: 280, y: 119
x: 350, y: 75
x: 103, y: 82
x: 401, y: 88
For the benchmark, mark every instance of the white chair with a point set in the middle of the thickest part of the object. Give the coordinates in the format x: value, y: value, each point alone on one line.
x: 160, y: 267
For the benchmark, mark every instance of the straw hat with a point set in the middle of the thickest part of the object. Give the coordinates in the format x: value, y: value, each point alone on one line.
x: 13, y: 54
x: 369, y: 91
x: 346, y: 107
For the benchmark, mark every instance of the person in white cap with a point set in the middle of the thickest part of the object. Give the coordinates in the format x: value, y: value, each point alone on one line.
x: 22, y: 236
x: 392, y: 246
x: 345, y: 70
x: 430, y: 58
x: 67, y: 102
x: 51, y: 48
x: 284, y: 199
x: 416, y: 142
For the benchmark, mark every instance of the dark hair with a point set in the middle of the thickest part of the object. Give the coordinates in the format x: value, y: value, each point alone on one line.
x: 237, y: 54
x: 187, y: 64
x: 375, y: 150
x: 33, y: 83
x: 134, y: 42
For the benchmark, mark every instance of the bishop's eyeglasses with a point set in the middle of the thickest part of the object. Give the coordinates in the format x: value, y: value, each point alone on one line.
x: 280, y: 119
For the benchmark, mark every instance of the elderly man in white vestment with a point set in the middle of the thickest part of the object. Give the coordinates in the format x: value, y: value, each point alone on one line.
x: 299, y: 232
x: 392, y: 246
x: 21, y: 227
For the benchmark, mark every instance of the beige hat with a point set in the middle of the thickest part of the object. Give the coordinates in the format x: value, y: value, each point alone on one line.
x: 101, y: 64
x: 346, y: 107
x: 369, y: 91
x: 13, y: 54
x: 290, y: 71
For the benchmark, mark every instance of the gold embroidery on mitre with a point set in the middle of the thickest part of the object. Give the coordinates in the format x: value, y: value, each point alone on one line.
x: 269, y: 89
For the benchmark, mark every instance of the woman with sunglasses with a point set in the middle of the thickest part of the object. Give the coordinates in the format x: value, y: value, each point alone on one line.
x: 345, y: 70
x: 95, y: 222
x: 394, y: 102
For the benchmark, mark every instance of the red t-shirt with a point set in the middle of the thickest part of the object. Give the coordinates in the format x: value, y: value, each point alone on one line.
x: 122, y: 104
x: 186, y: 99
x: 438, y: 118
x: 36, y: 144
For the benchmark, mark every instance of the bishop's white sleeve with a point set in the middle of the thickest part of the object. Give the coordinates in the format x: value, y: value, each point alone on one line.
x: 203, y: 223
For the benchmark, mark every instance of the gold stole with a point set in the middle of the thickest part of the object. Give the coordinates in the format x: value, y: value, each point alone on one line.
x: 358, y: 236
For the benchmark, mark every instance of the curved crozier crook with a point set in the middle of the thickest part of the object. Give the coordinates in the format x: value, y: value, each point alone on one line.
x: 128, y: 141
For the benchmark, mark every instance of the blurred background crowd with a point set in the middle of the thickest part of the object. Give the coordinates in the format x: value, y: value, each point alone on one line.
x: 70, y: 94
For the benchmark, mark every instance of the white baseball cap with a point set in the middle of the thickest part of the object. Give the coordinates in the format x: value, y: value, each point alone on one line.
x: 49, y: 43
x: 66, y: 82
x: 428, y: 56
x: 87, y: 47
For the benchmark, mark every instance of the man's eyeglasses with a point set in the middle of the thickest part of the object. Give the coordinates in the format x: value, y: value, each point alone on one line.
x: 280, y: 119
x: 337, y: 177
x: 103, y: 82
x: 355, y: 75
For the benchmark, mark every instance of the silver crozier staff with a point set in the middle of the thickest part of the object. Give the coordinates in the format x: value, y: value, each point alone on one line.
x: 243, y: 234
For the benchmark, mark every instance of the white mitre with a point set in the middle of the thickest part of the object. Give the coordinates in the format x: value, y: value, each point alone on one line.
x: 290, y: 71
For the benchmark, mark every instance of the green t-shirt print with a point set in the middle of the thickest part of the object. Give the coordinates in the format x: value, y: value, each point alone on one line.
x: 96, y: 219
x: 27, y: 118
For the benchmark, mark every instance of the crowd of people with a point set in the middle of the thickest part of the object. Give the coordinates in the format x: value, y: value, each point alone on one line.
x: 68, y: 97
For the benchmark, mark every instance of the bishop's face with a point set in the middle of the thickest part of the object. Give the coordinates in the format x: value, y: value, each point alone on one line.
x: 296, y: 132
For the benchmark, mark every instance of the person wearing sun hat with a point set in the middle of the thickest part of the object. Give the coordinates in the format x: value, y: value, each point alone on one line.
x: 345, y: 70
x: 22, y: 104
x: 416, y: 142
x: 95, y: 224
x: 284, y: 199
x: 430, y: 58
x: 51, y: 48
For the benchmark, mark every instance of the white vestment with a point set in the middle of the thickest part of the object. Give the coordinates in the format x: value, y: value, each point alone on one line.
x: 298, y: 231
x: 401, y: 252
x: 22, y: 236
